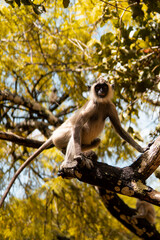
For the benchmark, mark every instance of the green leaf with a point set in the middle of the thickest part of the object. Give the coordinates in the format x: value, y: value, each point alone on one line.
x: 107, y: 38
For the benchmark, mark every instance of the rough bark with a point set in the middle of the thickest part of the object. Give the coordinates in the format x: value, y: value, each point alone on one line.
x: 124, y: 214
x: 111, y: 181
x: 129, y: 181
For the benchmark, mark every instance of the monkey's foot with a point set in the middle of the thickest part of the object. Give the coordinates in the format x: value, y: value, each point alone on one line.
x: 67, y: 164
x: 79, y: 161
x: 66, y: 173
x: 83, y: 161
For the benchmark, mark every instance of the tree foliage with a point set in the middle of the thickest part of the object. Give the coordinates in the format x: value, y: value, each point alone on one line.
x: 47, y: 61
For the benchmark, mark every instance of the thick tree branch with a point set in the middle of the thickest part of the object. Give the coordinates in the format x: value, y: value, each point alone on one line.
x: 118, y: 180
x: 128, y: 181
x: 124, y: 214
x: 110, y: 180
x: 148, y: 162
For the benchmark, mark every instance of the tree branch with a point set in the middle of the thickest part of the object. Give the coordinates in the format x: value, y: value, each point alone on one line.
x: 148, y: 162
x: 111, y: 180
x: 153, y: 102
x: 31, y: 125
x: 129, y: 181
x: 30, y: 104
x: 27, y: 142
x: 124, y: 214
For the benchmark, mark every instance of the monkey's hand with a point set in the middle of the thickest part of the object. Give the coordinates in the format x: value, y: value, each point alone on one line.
x: 134, y: 219
x: 148, y: 147
x: 94, y: 144
x: 83, y: 161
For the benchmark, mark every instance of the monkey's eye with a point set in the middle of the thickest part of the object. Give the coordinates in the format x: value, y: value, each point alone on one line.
x: 98, y: 87
x: 105, y: 87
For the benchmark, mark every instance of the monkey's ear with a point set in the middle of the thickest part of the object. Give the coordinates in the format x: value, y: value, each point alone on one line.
x: 89, y: 87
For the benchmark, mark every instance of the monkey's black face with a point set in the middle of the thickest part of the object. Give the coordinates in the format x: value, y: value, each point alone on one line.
x: 101, y: 90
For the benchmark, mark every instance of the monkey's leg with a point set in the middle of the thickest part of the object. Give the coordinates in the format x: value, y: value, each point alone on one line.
x: 91, y: 155
x: 69, y: 161
x: 72, y: 160
x: 83, y: 161
x: 80, y: 160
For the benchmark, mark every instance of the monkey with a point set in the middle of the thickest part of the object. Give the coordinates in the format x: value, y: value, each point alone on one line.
x: 80, y: 132
x: 145, y: 210
x: 53, y: 96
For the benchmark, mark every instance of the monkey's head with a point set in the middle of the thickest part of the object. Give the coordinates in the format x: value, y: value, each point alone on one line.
x: 101, y: 91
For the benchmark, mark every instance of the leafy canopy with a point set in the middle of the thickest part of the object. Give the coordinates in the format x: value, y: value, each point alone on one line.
x: 66, y: 49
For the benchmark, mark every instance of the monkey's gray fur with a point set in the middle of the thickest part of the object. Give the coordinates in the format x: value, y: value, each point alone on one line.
x: 80, y: 132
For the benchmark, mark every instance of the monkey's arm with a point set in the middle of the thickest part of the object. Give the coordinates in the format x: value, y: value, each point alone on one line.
x: 141, y: 212
x: 117, y: 125
x: 145, y: 210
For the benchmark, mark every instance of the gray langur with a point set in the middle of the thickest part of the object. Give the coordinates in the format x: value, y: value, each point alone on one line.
x: 53, y: 96
x: 79, y: 132
x: 145, y: 210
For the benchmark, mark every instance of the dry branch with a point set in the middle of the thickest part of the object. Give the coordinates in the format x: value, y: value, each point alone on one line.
x: 111, y: 180
x: 148, y: 162
x: 27, y: 142
x: 124, y: 214
x: 30, y: 104
x: 128, y: 181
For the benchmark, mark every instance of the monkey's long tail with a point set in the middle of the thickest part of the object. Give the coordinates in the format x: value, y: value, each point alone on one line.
x: 39, y: 150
